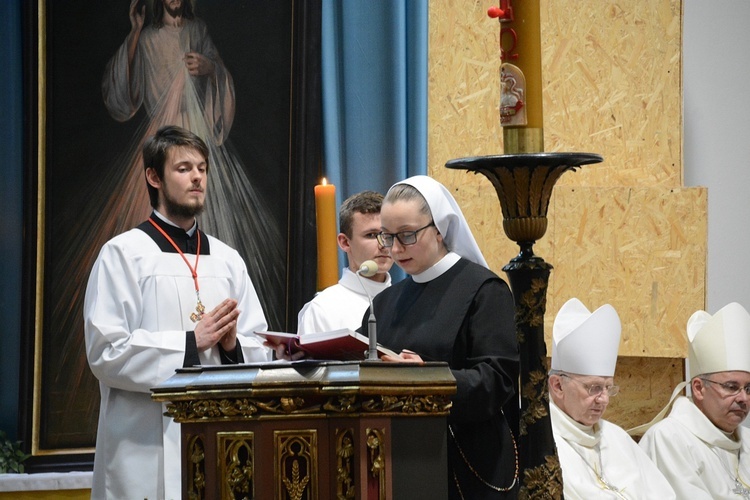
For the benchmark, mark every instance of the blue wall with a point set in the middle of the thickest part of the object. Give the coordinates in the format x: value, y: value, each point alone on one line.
x: 11, y: 211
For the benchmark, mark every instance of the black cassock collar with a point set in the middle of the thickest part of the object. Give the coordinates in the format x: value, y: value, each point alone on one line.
x: 188, y: 244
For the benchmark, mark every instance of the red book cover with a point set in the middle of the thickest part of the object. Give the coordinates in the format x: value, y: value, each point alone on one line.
x: 340, y: 345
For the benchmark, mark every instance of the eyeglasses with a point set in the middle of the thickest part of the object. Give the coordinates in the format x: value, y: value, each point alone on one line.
x: 596, y: 390
x: 404, y: 237
x: 729, y: 388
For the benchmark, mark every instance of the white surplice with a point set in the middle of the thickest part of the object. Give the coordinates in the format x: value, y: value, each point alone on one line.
x: 341, y: 305
x: 589, y: 453
x: 699, y: 459
x: 136, y: 315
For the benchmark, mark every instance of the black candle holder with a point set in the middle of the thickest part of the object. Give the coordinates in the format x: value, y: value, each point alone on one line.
x: 523, y: 183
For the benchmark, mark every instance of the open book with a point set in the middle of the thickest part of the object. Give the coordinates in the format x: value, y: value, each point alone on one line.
x: 342, y: 345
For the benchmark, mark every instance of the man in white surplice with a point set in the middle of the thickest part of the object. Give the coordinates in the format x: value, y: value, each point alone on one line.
x: 162, y: 296
x: 342, y: 305
x: 701, y: 447
x: 598, y: 459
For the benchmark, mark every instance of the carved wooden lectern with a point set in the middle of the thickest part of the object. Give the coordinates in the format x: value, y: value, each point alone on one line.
x: 312, y: 430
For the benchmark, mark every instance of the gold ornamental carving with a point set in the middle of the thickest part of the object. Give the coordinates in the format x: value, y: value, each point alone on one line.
x: 236, y: 464
x: 347, y: 403
x: 408, y: 404
x: 543, y: 482
x: 243, y: 408
x: 376, y: 458
x: 296, y: 464
x: 202, y: 409
x: 345, y: 486
x: 295, y: 487
x: 533, y: 302
x: 538, y: 400
x: 196, y: 475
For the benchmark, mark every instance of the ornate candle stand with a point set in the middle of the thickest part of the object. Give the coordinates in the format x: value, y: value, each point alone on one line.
x: 524, y: 183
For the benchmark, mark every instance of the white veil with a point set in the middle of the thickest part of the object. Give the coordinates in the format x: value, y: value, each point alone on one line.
x: 448, y: 218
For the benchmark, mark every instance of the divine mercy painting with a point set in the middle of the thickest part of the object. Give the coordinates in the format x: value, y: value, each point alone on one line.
x: 113, y: 73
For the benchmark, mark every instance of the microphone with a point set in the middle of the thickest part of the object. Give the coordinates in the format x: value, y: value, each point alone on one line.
x: 367, y: 269
x: 370, y: 268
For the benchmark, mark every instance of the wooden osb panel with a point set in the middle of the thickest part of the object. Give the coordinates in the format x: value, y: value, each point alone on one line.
x: 611, y: 86
x: 645, y: 387
x: 464, y: 85
x: 643, y: 250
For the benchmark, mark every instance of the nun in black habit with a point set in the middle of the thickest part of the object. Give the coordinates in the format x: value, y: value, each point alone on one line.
x: 452, y: 308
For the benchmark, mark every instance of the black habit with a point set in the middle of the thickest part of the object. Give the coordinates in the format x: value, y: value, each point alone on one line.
x: 464, y: 317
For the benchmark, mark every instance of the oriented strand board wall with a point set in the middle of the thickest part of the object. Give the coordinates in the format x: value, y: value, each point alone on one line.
x: 645, y: 387
x: 611, y: 86
x: 624, y: 231
x: 641, y: 249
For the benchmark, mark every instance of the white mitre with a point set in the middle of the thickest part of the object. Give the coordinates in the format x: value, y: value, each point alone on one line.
x: 583, y: 342
x: 719, y: 343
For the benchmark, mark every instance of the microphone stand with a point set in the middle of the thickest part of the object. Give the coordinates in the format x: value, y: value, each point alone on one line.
x: 372, y: 333
x: 369, y: 268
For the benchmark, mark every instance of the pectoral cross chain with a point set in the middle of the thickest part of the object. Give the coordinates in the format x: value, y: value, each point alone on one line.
x: 741, y: 490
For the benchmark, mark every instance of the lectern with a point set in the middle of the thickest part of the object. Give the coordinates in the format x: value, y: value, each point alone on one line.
x: 312, y: 430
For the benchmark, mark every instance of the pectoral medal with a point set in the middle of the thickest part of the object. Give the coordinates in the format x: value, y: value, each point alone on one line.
x: 199, y: 307
x: 199, y: 310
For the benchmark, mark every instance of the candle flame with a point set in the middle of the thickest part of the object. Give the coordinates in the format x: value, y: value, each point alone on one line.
x: 325, y: 182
